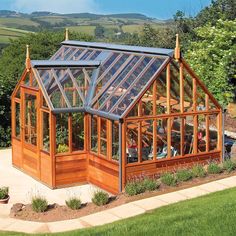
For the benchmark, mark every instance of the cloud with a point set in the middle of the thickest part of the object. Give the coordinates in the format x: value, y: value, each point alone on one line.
x: 57, y: 6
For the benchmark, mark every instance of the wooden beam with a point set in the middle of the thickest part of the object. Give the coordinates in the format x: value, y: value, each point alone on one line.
x: 70, y: 129
x: 181, y: 86
x: 168, y: 86
x: 140, y: 132
x: 52, y: 138
x: 124, y: 158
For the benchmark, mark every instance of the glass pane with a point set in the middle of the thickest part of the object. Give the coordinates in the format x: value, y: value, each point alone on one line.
x: 103, y: 137
x: 56, y: 97
x: 213, y: 132
x: 201, y: 133
x: 31, y: 119
x: 175, y: 136
x: 188, y: 93
x: 94, y: 134
x: 174, y: 90
x: 77, y: 131
x: 71, y: 92
x: 46, y: 129
x: 61, y: 53
x: 146, y: 139
x: 115, y: 141
x: 201, y: 105
x: 135, y: 89
x: 118, y: 84
x: 188, y: 135
x: 134, y: 111
x: 132, y: 142
x: 62, y: 143
x: 147, y: 102
x: 161, y: 137
x: 161, y: 102
x: 17, y: 124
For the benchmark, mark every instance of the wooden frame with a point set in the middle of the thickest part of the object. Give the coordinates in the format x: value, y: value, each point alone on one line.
x: 168, y: 137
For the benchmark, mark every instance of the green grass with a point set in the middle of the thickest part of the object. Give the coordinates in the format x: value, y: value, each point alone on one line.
x: 214, y: 214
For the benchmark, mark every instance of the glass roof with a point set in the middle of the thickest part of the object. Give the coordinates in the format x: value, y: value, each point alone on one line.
x: 103, y: 79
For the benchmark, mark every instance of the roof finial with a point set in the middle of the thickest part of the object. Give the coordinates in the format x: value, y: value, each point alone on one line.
x: 66, y: 34
x: 27, y: 59
x: 177, y: 48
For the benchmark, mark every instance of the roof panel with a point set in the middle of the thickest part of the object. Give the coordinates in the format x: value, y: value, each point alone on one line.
x: 126, y: 48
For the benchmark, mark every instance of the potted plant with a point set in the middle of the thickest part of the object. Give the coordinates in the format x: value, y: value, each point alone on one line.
x: 4, y: 196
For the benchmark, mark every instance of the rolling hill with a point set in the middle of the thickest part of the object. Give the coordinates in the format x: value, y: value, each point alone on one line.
x: 16, y: 24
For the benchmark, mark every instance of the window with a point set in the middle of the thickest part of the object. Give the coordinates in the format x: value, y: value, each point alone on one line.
x: 46, y: 129
x: 146, y: 130
x: 62, y: 140
x: 30, y: 119
x: 77, y: 131
x: 115, y: 141
x: 188, y: 135
x: 94, y: 134
x: 132, y: 142
x: 201, y: 135
x: 103, y: 137
x: 17, y: 120
x: 213, y: 132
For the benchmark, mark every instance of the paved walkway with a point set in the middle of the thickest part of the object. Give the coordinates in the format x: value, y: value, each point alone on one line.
x: 22, y: 186
x: 113, y: 214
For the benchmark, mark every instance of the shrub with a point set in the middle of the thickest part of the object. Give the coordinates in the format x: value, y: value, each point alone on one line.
x: 134, y: 188
x: 168, y: 179
x: 73, y: 203
x: 184, y: 175
x: 229, y: 165
x: 62, y: 148
x: 39, y: 204
x: 4, y: 192
x: 198, y: 171
x: 214, y: 168
x: 150, y: 184
x: 100, y: 198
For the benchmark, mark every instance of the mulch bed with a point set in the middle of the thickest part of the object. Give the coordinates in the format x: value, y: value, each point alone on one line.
x: 56, y: 212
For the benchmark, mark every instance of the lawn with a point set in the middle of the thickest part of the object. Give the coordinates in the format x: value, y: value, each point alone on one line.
x: 214, y: 214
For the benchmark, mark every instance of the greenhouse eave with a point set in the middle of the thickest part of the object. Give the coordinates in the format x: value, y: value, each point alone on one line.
x: 56, y: 64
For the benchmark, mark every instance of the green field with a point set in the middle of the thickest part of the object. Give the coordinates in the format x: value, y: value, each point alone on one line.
x: 14, y: 27
x: 10, y: 33
x: 211, y: 215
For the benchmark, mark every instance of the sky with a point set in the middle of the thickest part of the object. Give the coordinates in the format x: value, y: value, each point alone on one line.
x: 160, y: 9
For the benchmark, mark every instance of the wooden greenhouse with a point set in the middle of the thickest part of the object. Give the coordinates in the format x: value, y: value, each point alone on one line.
x: 105, y: 113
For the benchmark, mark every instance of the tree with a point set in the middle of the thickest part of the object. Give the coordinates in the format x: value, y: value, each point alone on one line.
x: 42, y: 46
x: 213, y: 58
x: 99, y: 31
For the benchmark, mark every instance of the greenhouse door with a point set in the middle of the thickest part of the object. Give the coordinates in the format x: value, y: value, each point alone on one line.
x: 30, y: 125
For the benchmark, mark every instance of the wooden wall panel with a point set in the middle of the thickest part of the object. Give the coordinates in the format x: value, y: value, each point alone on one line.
x: 71, y: 169
x: 16, y: 152
x: 30, y: 162
x: 152, y: 169
x: 46, y: 168
x: 103, y: 173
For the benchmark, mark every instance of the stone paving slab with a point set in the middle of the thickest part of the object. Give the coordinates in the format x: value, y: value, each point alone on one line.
x: 25, y: 226
x: 65, y: 225
x: 150, y: 203
x: 213, y: 187
x: 193, y: 192
x: 126, y: 210
x: 5, y: 210
x: 100, y: 218
x: 172, y: 197
x: 230, y: 182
